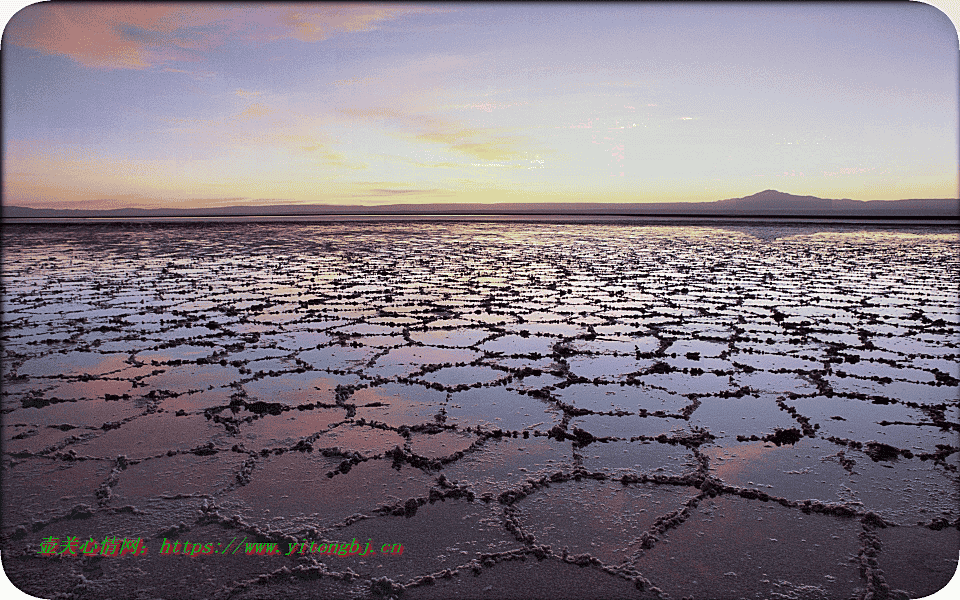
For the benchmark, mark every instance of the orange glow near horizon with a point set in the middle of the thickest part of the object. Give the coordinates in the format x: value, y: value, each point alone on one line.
x: 179, y: 105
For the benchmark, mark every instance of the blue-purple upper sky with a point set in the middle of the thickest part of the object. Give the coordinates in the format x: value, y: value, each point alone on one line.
x: 138, y: 104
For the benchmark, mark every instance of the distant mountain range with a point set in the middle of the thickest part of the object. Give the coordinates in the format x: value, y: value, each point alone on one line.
x: 766, y: 203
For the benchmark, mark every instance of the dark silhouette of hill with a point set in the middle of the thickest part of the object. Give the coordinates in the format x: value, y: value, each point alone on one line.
x: 774, y: 202
x: 768, y: 203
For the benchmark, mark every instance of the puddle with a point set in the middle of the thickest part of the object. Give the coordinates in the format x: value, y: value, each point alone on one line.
x: 367, y: 441
x: 513, y: 345
x: 612, y: 346
x: 408, y: 360
x: 294, y: 389
x: 380, y: 341
x: 915, y: 392
x: 450, y: 323
x: 172, y: 476
x: 631, y: 399
x: 651, y: 458
x: 394, y: 321
x: 774, y: 383
x: 860, y: 420
x: 366, y: 329
x: 918, y: 561
x: 73, y: 363
x: 500, y: 465
x: 450, y: 337
x: 807, y: 470
x: 189, y: 377
x: 94, y: 389
x: 699, y: 347
x: 398, y: 404
x: 152, y: 435
x: 624, y: 426
x: 603, y: 519
x: 549, y: 329
x: 294, y: 487
x: 38, y: 438
x: 489, y: 319
x: 198, y: 401
x: 500, y: 408
x: 746, y: 416
x: 440, y: 445
x: 905, y: 491
x: 287, y: 428
x: 81, y: 413
x: 736, y: 548
x: 441, y: 535
x: 535, y: 382
x: 518, y: 364
x: 454, y: 376
x: 608, y: 368
x: 681, y: 383
x: 550, y: 579
x: 294, y: 341
x: 338, y: 358
x: 37, y: 488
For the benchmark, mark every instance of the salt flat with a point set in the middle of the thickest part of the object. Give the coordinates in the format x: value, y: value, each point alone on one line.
x: 660, y: 411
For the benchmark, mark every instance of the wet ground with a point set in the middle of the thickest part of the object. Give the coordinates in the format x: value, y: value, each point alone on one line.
x: 532, y: 410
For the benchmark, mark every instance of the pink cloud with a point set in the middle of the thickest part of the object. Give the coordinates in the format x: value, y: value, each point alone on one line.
x: 112, y: 36
x: 138, y: 36
x: 316, y: 22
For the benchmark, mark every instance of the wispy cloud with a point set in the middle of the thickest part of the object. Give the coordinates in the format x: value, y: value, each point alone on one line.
x: 387, y: 192
x: 143, y: 35
x: 484, y: 143
x: 314, y: 23
x: 489, y: 106
x: 262, y: 126
x: 113, y: 36
x: 498, y: 148
x: 255, y: 111
x: 335, y: 159
x: 383, y: 195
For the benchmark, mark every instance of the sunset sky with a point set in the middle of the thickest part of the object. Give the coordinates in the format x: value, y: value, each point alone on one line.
x: 187, y: 105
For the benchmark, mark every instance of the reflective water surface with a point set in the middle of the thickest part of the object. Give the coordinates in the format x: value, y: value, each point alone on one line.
x: 753, y: 410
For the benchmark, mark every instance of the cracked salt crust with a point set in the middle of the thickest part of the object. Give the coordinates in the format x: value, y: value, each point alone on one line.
x: 542, y: 405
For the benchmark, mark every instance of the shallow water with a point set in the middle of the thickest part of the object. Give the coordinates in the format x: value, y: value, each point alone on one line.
x: 746, y: 410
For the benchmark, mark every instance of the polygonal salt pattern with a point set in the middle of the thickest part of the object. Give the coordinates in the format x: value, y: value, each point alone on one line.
x: 742, y: 405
